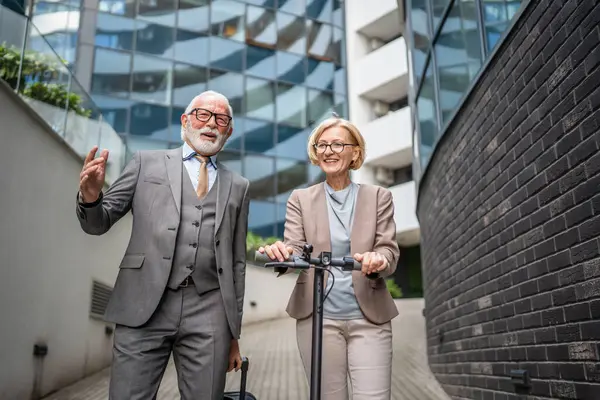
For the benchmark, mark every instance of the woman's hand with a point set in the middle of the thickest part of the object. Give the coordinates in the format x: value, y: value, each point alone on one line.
x: 277, y: 251
x: 371, y: 262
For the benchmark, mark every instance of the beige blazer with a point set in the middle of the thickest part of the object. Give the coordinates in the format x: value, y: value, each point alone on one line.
x: 373, y: 229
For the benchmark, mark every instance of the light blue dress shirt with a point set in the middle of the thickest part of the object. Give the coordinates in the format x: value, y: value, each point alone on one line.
x: 192, y: 165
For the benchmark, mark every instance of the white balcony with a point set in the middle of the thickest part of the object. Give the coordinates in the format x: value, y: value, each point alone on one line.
x: 383, y: 73
x: 389, y: 141
x: 383, y: 21
x: 405, y: 207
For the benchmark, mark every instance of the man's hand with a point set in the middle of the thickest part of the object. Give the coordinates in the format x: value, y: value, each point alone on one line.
x: 277, y: 251
x: 235, y: 359
x: 371, y: 262
x: 91, y: 179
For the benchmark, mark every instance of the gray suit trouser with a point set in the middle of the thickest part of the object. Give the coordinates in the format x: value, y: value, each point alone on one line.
x: 194, y: 328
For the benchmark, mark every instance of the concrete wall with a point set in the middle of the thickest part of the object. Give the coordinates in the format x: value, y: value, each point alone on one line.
x: 47, y: 264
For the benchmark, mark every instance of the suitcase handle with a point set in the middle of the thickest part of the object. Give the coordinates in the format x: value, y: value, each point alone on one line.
x: 245, y: 365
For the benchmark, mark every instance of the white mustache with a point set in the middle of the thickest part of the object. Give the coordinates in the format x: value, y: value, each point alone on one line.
x: 206, y: 129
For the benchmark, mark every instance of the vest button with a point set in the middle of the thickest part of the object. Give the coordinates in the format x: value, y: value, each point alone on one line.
x: 220, y: 271
x: 190, y: 266
x: 217, y: 242
x: 194, y: 245
x: 196, y: 223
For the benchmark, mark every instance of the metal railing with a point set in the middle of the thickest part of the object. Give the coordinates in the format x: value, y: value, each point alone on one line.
x: 34, y: 70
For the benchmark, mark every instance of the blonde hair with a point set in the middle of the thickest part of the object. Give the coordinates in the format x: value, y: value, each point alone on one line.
x: 347, y: 125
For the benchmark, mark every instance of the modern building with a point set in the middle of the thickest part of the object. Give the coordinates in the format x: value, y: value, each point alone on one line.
x: 281, y: 63
x: 505, y: 98
x: 378, y: 103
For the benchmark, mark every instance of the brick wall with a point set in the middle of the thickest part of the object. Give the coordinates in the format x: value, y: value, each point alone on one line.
x: 510, y: 217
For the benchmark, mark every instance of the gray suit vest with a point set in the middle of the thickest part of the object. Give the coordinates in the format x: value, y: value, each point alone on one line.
x: 195, y: 247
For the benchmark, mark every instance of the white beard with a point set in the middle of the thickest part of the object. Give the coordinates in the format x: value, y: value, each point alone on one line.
x: 206, y: 147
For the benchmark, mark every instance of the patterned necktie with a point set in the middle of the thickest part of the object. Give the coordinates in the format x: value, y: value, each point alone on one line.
x: 202, y: 187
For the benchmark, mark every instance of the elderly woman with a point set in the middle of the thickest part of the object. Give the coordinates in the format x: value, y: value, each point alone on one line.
x: 347, y: 219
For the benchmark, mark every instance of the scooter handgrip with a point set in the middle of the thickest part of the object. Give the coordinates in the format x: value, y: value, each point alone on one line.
x: 261, y: 257
x: 357, y: 266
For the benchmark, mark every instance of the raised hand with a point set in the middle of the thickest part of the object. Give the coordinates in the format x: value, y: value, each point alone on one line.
x: 277, y: 251
x: 91, y: 179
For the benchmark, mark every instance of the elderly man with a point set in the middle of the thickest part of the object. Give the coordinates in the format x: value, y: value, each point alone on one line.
x: 180, y: 287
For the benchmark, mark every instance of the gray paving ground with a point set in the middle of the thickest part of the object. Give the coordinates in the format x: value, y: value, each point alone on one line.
x: 276, y: 371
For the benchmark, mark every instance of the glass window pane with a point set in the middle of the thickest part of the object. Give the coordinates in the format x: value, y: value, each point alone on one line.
x: 137, y: 144
x: 493, y: 34
x: 175, y: 127
x: 150, y: 120
x: 420, y: 35
x: 291, y: 33
x: 188, y: 82
x: 151, y: 79
x: 296, y: 7
x: 234, y: 142
x: 226, y: 54
x: 227, y: 19
x: 426, y: 109
x: 114, y: 32
x: 262, y: 218
x: 341, y: 105
x: 438, y: 7
x: 263, y: 3
x: 281, y: 211
x: 291, y: 142
x: 260, y: 27
x: 291, y: 104
x: 191, y: 47
x: 319, y: 40
x: 154, y: 39
x: 114, y: 111
x: 320, y: 74
x: 315, y: 175
x: 320, y: 106
x: 260, y: 62
x: 494, y: 11
x: 336, y: 51
x: 112, y: 73
x: 290, y: 68
x: 291, y: 174
x: 120, y: 7
x: 158, y: 11
x: 321, y: 10
x: 259, y: 136
x: 458, y: 55
x: 338, y: 12
x: 339, y: 80
x: 231, y: 85
x: 260, y: 99
x: 260, y: 171
x: 231, y: 159
x: 193, y: 15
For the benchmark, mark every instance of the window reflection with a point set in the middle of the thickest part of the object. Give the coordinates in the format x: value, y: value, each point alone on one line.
x: 296, y: 7
x: 119, y: 7
x: 319, y: 105
x: 232, y: 160
x: 340, y: 105
x: 112, y: 73
x: 150, y: 120
x: 259, y: 136
x: 158, y: 11
x: 291, y: 142
x: 226, y: 54
x: 260, y: 62
x: 151, y: 79
x: 114, y: 32
x: 338, y: 12
x: 290, y: 68
x: 235, y: 140
x: 336, y: 50
x: 154, y: 39
x: 262, y: 217
x: 496, y: 15
x: 114, y: 111
x: 320, y: 74
x: 137, y: 144
x: 321, y: 10
x: 260, y: 99
x: 315, y: 175
x: 420, y: 35
x: 339, y: 80
x: 291, y: 174
x: 188, y: 82
x: 260, y: 171
x: 458, y: 54
x: 193, y: 15
x: 260, y: 27
x: 281, y: 214
x: 264, y: 3
x: 291, y: 33
x: 191, y: 47
x: 426, y: 109
x: 291, y: 104
x: 231, y: 85
x: 438, y: 7
x: 319, y: 40
x: 227, y: 19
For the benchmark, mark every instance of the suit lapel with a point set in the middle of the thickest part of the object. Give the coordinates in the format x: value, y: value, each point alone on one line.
x: 224, y: 188
x: 321, y: 221
x: 357, y: 228
x: 174, y: 161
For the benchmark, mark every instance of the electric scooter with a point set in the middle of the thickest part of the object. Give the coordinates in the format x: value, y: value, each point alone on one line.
x: 321, y: 263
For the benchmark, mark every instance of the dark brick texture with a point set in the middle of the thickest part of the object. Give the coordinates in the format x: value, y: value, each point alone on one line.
x: 510, y: 217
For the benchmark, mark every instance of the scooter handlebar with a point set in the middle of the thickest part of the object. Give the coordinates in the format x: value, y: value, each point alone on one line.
x: 346, y: 263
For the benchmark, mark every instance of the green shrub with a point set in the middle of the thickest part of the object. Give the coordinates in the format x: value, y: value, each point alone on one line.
x: 394, y: 289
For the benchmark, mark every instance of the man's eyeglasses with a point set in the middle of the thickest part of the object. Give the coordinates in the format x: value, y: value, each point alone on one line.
x: 203, y: 115
x: 335, y: 147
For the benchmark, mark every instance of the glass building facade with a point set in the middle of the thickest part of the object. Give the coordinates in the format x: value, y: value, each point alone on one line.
x: 450, y: 40
x: 281, y: 63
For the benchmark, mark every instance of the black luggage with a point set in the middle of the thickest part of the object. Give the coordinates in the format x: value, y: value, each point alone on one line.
x: 242, y: 394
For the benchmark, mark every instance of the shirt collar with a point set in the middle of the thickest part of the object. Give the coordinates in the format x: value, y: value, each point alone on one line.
x: 189, y: 153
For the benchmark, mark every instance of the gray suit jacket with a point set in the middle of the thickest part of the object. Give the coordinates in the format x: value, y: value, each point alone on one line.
x: 150, y: 186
